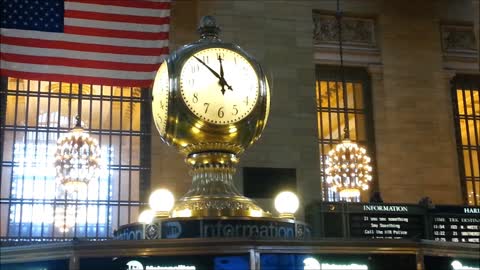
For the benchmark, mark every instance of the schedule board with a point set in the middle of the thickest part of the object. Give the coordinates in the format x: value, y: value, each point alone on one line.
x: 455, y: 224
x: 382, y: 221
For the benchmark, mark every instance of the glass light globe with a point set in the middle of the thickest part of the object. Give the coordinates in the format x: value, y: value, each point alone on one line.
x: 286, y: 203
x: 161, y: 200
x: 146, y: 216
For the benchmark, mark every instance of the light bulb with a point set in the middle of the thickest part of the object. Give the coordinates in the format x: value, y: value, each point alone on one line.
x: 286, y: 203
x: 146, y: 216
x: 161, y: 200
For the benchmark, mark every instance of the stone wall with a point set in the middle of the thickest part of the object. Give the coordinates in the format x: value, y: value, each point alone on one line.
x: 415, y: 143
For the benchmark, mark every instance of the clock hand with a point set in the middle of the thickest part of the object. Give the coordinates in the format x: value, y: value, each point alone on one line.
x: 223, y: 82
x: 209, y: 68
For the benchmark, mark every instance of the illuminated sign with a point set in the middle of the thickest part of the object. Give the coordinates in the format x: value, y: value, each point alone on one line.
x: 385, y: 208
x: 136, y: 265
x: 456, y: 265
x: 313, y: 264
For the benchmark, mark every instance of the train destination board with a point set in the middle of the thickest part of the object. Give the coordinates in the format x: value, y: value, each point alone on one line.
x: 455, y: 224
x: 386, y: 221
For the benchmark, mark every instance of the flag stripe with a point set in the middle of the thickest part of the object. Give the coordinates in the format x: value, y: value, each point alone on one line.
x: 77, y: 79
x: 116, y: 10
x: 115, y: 33
x: 127, y: 3
x: 104, y: 73
x: 82, y: 55
x: 83, y: 47
x: 116, y: 25
x: 83, y: 39
x: 116, y: 17
x: 69, y: 62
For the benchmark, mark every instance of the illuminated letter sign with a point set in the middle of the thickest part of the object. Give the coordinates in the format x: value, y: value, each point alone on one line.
x: 136, y: 265
x: 313, y: 264
x: 456, y: 265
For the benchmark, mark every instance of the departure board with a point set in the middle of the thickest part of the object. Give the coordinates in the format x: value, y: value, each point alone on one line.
x: 455, y: 224
x: 386, y: 221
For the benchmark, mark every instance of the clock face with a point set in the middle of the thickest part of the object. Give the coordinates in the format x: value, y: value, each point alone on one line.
x: 219, y: 86
x: 160, y: 95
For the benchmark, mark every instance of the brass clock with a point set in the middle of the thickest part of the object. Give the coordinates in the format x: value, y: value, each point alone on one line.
x: 160, y: 96
x: 211, y: 102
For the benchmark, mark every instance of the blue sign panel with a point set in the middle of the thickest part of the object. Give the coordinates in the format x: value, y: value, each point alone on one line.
x: 43, y: 265
x: 336, y: 262
x: 192, y: 262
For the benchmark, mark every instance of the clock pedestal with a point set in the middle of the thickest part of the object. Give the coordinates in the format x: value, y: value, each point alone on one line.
x: 213, y: 193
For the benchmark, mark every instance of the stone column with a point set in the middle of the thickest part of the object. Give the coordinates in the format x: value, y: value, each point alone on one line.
x: 378, y: 99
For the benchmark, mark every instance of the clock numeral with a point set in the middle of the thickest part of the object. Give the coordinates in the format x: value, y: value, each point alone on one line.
x: 246, y: 100
x: 191, y: 81
x: 220, y: 112
x: 235, y: 110
x: 221, y: 55
x: 235, y: 60
x: 161, y: 105
x: 205, y: 58
x: 195, y: 68
x: 206, y: 105
x: 159, y: 117
x: 195, y: 98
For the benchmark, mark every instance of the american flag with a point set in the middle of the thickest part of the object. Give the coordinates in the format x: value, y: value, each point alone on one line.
x: 106, y: 42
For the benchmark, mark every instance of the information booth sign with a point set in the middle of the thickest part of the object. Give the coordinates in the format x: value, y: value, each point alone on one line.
x: 386, y: 221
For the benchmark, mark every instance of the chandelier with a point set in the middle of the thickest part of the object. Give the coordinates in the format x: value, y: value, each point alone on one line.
x: 77, y: 159
x: 348, y: 167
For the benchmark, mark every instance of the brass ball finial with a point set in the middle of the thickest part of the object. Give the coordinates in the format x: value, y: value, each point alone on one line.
x: 208, y: 28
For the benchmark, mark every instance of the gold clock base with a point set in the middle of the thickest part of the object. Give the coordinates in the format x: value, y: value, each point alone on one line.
x: 213, y: 193
x: 210, y: 206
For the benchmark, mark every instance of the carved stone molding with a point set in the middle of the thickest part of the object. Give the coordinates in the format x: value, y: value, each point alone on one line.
x: 458, y: 39
x: 459, y: 47
x: 355, y: 31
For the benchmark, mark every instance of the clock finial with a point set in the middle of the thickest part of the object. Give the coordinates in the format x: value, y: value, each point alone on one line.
x: 208, y: 28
